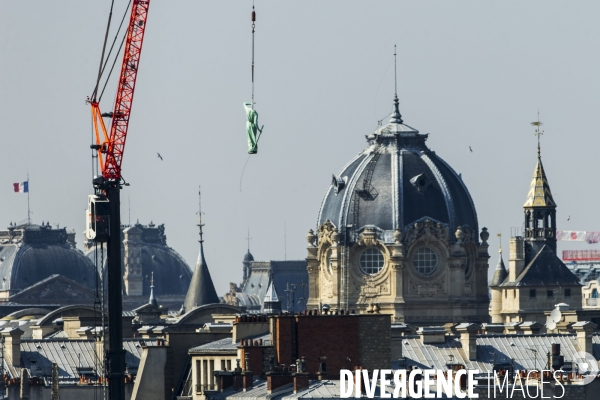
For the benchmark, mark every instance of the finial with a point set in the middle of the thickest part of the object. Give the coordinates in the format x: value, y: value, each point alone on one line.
x: 248, y: 238
x: 500, y: 240
x: 152, y: 299
x: 538, y: 132
x: 396, y: 116
x: 200, y: 224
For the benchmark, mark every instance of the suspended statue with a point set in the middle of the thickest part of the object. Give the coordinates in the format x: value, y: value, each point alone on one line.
x: 252, y: 130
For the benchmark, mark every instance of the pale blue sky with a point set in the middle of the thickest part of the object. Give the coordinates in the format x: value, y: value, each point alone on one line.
x: 470, y: 73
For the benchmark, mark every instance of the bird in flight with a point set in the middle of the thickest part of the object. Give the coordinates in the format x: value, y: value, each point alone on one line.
x: 159, y: 156
x: 470, y: 149
x: 569, y: 218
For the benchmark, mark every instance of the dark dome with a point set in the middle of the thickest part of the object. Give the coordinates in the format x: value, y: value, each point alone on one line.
x: 32, y: 253
x: 395, y: 182
x: 248, y: 257
x: 172, y: 274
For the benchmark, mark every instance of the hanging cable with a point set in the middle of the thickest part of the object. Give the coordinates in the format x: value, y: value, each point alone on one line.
x: 253, y: 25
x: 104, y: 61
x: 100, y: 68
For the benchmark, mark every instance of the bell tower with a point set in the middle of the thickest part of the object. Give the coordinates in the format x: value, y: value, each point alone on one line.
x: 539, y: 209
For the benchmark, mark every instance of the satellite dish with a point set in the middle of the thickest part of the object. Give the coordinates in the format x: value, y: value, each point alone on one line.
x: 555, y: 315
x: 551, y: 325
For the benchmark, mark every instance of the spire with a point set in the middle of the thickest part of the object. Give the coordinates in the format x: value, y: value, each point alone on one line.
x: 201, y: 290
x: 152, y: 299
x: 500, y: 273
x: 539, y: 191
x: 396, y: 116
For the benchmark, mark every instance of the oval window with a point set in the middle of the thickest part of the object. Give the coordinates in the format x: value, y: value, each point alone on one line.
x: 371, y: 261
x: 425, y: 260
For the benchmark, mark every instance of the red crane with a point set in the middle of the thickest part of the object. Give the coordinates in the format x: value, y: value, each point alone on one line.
x: 103, y: 215
x: 113, y: 145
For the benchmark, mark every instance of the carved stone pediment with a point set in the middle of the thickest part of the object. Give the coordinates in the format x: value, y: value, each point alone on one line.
x: 428, y: 230
x: 328, y: 234
x: 369, y: 237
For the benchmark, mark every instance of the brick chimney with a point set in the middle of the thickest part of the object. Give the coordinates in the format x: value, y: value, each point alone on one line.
x: 277, y: 379
x: 468, y: 339
x: 301, y: 377
x: 12, y: 345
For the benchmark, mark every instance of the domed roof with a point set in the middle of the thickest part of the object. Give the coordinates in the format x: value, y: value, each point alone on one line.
x: 32, y: 253
x: 172, y: 274
x: 248, y: 257
x: 396, y: 181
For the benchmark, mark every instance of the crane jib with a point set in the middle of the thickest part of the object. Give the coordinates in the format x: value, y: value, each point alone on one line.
x: 115, y: 146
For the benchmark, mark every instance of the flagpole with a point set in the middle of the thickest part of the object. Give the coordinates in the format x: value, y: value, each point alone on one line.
x: 28, y: 212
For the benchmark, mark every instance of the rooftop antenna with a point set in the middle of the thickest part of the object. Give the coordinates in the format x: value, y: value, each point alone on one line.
x: 284, y: 241
x: 538, y: 131
x: 395, y: 73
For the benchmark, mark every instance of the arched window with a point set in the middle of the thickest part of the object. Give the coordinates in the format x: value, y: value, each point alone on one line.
x: 595, y: 294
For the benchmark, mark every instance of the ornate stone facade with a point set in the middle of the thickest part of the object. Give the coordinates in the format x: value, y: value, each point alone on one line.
x: 456, y: 291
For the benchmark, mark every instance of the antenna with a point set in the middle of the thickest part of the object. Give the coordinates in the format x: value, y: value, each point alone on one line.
x: 395, y: 72
x: 129, y: 209
x: 284, y: 241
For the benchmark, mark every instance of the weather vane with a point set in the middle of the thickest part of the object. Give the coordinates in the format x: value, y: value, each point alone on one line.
x: 538, y: 131
x: 500, y: 239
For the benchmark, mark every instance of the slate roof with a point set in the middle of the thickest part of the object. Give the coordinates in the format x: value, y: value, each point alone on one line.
x: 492, y: 349
x: 201, y: 290
x: 38, y: 356
x: 500, y: 273
x: 546, y: 269
x: 394, y: 182
x: 539, y: 190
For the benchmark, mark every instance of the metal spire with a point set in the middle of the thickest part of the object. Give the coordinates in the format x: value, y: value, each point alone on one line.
x: 152, y: 299
x: 396, y: 116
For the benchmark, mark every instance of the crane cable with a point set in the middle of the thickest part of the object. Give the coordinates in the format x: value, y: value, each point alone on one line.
x: 104, y: 61
x: 100, y: 67
x: 253, y: 25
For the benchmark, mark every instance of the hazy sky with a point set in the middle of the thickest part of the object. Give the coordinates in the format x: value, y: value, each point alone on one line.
x: 470, y: 73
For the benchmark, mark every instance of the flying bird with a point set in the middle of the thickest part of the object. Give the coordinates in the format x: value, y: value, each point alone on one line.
x: 569, y: 218
x: 159, y: 156
x: 470, y: 149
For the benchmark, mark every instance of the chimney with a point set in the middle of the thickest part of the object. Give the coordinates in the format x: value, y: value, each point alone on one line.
x: 468, y: 339
x: 432, y: 334
x: 300, y: 376
x: 322, y: 374
x: 12, y: 345
x: 247, y: 375
x: 24, y: 395
x: 516, y: 261
x: 584, y: 330
x: 277, y: 379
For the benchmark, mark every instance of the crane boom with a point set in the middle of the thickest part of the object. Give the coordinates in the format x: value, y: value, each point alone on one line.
x: 578, y: 236
x: 112, y: 145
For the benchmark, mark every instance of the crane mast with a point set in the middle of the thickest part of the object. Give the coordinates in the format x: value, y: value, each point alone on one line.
x: 103, y: 214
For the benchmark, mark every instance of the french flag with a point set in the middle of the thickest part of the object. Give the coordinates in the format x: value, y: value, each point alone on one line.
x: 22, y: 187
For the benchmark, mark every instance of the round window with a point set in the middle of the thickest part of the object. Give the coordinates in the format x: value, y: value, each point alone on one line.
x: 371, y: 261
x: 425, y: 260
